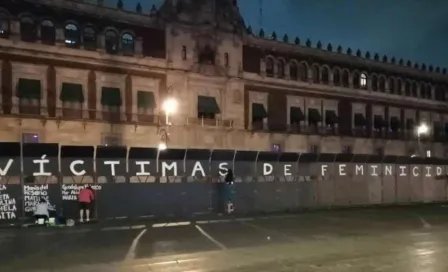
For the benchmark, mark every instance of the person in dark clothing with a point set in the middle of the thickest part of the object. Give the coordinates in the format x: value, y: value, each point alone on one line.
x: 229, y: 177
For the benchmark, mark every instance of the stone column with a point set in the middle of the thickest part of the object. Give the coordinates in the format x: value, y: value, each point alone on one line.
x: 262, y: 68
x: 138, y: 47
x: 15, y: 30
x: 60, y: 37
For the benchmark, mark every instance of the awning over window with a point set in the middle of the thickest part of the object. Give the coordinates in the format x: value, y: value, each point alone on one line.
x: 145, y: 100
x: 71, y: 92
x: 410, y: 124
x: 378, y: 121
x: 314, y: 116
x: 394, y: 123
x: 331, y: 117
x: 28, y: 89
x: 207, y: 105
x: 258, y: 111
x: 296, y: 114
x: 111, y: 97
x: 360, y: 120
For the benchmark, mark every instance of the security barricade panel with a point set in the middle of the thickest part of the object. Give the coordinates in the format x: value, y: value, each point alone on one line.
x: 11, y: 192
x: 288, y: 167
x: 244, y: 166
x: 142, y: 165
x: 197, y: 164
x: 40, y: 163
x: 415, y: 174
x: 220, y: 162
x: 265, y: 166
x: 433, y: 186
x: 171, y: 165
x: 323, y: 172
x: 138, y: 181
x: 110, y: 163
x: 77, y: 164
x: 77, y: 172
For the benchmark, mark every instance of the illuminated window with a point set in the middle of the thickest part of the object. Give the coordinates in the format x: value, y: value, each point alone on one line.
x: 363, y: 80
x: 276, y: 148
x: 71, y: 35
x: 127, y: 43
x: 30, y: 138
x: 428, y: 153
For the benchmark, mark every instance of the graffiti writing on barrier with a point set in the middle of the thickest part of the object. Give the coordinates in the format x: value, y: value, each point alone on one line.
x: 33, y: 194
x: 70, y: 192
x: 383, y: 170
x: 8, y: 204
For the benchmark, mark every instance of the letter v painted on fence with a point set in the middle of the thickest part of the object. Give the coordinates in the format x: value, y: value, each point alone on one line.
x: 4, y: 171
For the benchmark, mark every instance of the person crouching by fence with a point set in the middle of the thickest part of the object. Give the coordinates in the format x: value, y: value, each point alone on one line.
x: 42, y: 211
x: 85, y: 198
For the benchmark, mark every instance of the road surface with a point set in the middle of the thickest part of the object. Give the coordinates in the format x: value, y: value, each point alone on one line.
x: 393, y: 239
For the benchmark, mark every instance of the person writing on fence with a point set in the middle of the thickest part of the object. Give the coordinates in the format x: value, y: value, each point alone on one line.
x: 85, y: 198
x: 42, y: 210
x: 229, y: 177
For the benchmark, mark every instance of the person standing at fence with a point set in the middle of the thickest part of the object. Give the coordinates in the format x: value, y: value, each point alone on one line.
x: 85, y: 198
x: 229, y: 192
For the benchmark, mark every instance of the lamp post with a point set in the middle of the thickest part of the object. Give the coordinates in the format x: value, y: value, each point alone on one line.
x: 169, y: 107
x: 422, y: 129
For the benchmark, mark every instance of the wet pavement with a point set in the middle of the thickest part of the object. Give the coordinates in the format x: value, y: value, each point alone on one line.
x: 395, y: 239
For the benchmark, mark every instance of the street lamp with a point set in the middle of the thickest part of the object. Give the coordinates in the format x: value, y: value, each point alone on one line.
x: 169, y: 107
x: 422, y: 129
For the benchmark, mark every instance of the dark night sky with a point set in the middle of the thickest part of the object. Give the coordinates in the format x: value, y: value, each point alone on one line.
x: 408, y: 29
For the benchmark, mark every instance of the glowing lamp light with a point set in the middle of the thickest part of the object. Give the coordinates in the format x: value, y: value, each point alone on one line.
x: 162, y: 146
x: 422, y: 129
x: 169, y: 106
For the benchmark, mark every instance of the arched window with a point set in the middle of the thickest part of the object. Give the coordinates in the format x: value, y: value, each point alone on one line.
x: 269, y: 67
x: 89, y: 38
x: 392, y: 88
x: 374, y: 83
x: 293, y: 70
x: 226, y: 59
x: 47, y: 32
x: 111, y: 39
x: 4, y: 25
x: 27, y: 30
x: 316, y: 74
x: 325, y: 75
x: 345, y: 79
x: 280, y: 68
x: 71, y: 32
x: 356, y: 80
x: 363, y: 80
x: 337, y: 77
x: 414, y: 89
x: 127, y: 44
x: 407, y: 88
x: 382, y: 84
x: 303, y: 72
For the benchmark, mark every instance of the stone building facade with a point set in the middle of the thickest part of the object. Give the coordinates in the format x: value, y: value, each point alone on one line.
x: 84, y: 74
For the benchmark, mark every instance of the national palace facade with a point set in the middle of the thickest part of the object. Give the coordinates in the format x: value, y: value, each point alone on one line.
x: 80, y: 73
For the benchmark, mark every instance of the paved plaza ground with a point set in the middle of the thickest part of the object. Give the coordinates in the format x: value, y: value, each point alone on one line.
x: 394, y: 239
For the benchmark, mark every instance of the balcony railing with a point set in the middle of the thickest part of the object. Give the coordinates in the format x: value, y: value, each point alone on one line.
x: 115, y: 117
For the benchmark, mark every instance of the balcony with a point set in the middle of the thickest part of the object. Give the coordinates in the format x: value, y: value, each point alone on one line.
x: 113, y: 117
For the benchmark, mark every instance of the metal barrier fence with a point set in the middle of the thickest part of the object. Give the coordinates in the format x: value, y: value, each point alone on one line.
x: 137, y: 181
